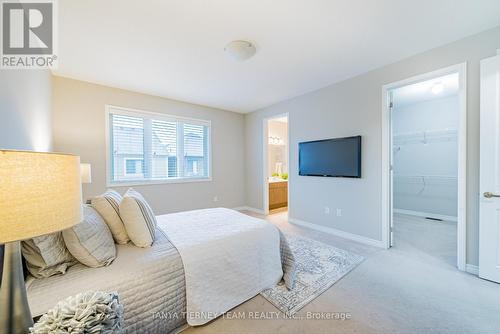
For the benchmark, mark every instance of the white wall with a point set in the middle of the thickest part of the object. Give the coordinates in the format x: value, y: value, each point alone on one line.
x: 277, y: 153
x: 79, y: 128
x: 433, y: 157
x: 25, y: 110
x: 353, y: 107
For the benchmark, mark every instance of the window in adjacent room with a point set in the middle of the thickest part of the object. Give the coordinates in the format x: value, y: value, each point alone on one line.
x: 134, y: 167
x: 154, y: 148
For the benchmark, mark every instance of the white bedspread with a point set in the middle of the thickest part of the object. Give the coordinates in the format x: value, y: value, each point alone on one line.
x: 228, y: 258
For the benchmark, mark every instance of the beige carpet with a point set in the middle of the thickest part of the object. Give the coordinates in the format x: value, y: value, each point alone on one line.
x: 412, y: 288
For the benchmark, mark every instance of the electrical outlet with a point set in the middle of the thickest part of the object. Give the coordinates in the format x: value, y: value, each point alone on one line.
x: 216, y: 199
x: 339, y: 212
x: 327, y: 210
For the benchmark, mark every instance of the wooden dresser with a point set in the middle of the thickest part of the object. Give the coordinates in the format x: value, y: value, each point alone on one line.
x: 278, y: 195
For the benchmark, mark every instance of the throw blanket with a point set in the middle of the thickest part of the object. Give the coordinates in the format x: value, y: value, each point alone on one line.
x: 228, y: 258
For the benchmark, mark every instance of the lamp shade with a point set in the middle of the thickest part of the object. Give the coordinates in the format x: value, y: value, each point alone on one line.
x: 86, y: 173
x: 40, y: 193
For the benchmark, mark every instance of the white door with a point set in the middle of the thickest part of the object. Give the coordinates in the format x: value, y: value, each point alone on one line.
x: 489, y: 220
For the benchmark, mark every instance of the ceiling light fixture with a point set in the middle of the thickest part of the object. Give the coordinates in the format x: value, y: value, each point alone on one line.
x: 240, y: 50
x: 437, y: 88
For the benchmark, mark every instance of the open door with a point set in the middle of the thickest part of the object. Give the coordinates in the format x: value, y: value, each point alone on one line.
x: 489, y: 228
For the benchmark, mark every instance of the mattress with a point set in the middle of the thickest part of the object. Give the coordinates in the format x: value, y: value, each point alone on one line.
x: 149, y: 281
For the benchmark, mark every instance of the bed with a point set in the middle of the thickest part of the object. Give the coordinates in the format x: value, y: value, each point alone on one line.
x: 211, y: 261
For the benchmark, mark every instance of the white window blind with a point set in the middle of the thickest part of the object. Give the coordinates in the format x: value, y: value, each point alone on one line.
x: 147, y: 147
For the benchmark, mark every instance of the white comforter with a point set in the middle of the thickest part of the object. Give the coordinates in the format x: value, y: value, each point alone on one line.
x: 228, y: 258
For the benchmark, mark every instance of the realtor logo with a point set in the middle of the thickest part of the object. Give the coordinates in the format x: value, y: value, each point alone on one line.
x: 28, y: 34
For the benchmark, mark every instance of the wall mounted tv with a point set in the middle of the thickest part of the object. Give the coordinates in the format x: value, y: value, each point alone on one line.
x: 338, y: 157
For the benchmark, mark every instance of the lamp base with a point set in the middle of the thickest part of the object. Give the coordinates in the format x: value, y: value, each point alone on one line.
x: 15, y: 315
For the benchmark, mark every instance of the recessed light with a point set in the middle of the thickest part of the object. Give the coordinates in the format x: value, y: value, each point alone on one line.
x: 240, y: 50
x: 437, y: 88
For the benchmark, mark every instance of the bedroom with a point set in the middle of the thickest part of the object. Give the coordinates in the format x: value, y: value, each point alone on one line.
x: 168, y: 106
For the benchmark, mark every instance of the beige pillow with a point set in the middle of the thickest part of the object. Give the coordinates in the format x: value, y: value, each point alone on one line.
x: 107, y: 205
x: 90, y: 241
x: 138, y: 218
x: 47, y: 255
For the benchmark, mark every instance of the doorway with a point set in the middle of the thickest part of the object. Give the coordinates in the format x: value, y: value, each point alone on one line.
x: 276, y: 164
x: 424, y: 149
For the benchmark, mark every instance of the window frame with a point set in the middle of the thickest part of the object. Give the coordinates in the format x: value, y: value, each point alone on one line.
x: 112, y: 109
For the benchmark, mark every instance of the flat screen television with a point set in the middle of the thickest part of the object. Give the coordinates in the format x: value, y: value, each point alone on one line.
x: 338, y: 157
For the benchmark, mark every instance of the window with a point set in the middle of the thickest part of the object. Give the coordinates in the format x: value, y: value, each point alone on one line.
x: 134, y: 167
x: 154, y: 148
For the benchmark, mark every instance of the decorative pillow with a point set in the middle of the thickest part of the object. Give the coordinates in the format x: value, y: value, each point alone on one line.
x: 47, y: 255
x: 107, y: 205
x: 90, y: 242
x: 138, y: 218
x: 88, y: 312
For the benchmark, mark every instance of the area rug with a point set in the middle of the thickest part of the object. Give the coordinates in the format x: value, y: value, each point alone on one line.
x: 319, y: 266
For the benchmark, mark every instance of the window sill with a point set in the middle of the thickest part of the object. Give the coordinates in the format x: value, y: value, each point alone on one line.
x: 156, y: 182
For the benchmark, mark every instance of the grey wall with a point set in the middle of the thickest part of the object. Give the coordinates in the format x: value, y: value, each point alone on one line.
x: 25, y: 111
x: 79, y: 128
x: 353, y: 107
x: 25, y: 100
x: 426, y: 168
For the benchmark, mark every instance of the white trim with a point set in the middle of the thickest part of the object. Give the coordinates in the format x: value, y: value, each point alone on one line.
x: 155, y: 182
x: 249, y: 208
x: 472, y: 269
x: 462, y: 169
x: 159, y: 116
x: 426, y: 214
x: 386, y: 165
x: 461, y: 69
x: 265, y: 144
x: 338, y: 233
x: 265, y: 179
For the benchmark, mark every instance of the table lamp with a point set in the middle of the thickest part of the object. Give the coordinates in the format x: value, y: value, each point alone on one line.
x: 40, y: 193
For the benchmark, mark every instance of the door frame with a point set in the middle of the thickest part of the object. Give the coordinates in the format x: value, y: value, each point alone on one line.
x: 387, y: 195
x: 265, y: 145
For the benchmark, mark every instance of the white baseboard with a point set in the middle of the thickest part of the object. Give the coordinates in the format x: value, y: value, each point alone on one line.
x: 249, y: 208
x: 426, y: 214
x: 338, y: 233
x: 472, y: 269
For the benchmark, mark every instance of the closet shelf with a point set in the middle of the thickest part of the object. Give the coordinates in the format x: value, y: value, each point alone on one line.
x: 425, y: 137
x: 445, y: 180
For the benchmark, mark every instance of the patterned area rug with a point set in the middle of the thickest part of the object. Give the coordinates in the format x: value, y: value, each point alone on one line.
x: 319, y: 266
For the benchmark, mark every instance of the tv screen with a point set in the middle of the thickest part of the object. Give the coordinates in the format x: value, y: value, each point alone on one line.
x: 339, y: 157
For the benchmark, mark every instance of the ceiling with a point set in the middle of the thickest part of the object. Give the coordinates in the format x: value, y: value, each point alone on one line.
x: 423, y: 91
x: 175, y: 48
